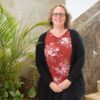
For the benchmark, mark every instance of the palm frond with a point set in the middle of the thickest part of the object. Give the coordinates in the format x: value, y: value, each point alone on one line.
x: 15, y: 43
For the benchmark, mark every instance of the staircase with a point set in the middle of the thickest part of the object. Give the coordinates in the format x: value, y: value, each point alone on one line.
x: 88, y: 25
x: 94, y: 96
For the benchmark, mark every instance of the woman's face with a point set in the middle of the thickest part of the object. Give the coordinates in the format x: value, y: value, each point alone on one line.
x: 58, y: 16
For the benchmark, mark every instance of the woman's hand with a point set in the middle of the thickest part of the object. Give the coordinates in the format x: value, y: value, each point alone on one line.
x: 55, y: 87
x: 65, y: 84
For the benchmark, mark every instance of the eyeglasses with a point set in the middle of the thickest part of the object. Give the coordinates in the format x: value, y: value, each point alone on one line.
x: 60, y: 14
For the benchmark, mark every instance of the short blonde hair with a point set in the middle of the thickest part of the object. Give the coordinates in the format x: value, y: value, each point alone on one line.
x: 68, y: 17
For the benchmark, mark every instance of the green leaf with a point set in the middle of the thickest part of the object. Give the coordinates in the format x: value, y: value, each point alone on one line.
x: 12, y: 93
x: 32, y: 92
x: 5, y: 99
x: 5, y: 94
x: 17, y: 92
x: 18, y: 97
x: 9, y: 85
x: 18, y: 85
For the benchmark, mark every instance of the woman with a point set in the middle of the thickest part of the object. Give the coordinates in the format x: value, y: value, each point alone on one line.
x: 60, y: 59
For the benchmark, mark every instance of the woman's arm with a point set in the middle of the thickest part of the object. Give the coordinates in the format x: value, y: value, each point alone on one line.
x: 41, y: 62
x: 78, y: 57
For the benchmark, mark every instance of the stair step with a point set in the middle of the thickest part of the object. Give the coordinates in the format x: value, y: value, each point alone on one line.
x: 98, y: 85
x: 93, y: 96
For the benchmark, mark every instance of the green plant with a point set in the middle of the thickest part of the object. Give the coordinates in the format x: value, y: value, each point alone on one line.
x: 31, y: 92
x: 10, y: 91
x: 15, y: 46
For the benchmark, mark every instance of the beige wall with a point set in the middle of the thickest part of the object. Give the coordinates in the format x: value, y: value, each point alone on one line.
x: 37, y: 10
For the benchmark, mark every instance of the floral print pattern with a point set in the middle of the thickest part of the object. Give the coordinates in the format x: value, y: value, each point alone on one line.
x: 58, y: 53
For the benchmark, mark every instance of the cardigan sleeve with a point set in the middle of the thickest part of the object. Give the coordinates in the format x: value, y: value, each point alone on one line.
x: 78, y: 57
x: 41, y: 62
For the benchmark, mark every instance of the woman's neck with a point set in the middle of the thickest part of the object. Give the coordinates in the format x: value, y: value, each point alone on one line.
x: 58, y: 31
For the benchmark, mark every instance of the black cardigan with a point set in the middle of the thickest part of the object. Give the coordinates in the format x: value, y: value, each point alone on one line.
x: 77, y: 61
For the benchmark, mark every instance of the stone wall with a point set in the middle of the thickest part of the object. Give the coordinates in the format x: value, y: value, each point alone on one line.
x: 88, y: 24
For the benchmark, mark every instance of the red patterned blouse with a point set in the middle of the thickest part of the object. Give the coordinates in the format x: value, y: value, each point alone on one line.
x: 58, y: 52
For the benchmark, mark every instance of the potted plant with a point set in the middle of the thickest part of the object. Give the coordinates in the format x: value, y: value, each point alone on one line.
x: 15, y: 44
